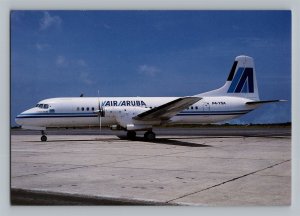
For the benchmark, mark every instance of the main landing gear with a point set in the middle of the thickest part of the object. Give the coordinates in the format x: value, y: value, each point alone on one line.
x: 131, y: 135
x: 43, y: 137
x: 149, y: 135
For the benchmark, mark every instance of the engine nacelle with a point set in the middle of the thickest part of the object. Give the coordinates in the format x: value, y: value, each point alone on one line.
x: 124, y: 117
x: 123, y: 111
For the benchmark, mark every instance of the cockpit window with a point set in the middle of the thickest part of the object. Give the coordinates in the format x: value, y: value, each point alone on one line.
x: 42, y: 106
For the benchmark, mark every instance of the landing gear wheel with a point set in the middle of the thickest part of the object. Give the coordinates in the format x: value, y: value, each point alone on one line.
x: 44, y: 138
x: 131, y: 135
x: 149, y: 135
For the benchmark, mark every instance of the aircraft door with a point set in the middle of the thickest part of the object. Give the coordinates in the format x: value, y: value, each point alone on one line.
x: 206, y: 106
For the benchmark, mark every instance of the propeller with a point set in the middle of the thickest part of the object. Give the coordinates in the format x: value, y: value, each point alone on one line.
x: 99, y: 111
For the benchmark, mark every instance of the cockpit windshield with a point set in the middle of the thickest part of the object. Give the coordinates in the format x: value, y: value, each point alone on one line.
x: 42, y: 106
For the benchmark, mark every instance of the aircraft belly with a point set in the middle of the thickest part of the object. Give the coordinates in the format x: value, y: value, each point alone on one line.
x: 81, y: 122
x: 69, y: 121
x: 201, y: 119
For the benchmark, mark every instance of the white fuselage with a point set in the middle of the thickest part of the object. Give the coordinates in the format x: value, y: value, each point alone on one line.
x: 82, y: 111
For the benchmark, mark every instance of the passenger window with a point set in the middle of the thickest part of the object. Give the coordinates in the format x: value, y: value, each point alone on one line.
x: 196, y: 107
x: 87, y: 109
x: 93, y: 108
x: 82, y: 109
x: 192, y: 107
x: 78, y: 108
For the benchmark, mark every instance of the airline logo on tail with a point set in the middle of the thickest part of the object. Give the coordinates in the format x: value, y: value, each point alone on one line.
x: 242, y: 82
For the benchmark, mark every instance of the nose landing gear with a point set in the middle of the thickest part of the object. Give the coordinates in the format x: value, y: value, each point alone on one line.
x: 43, y: 137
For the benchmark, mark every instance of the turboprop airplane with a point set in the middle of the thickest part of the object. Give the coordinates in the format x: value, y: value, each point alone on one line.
x: 238, y: 96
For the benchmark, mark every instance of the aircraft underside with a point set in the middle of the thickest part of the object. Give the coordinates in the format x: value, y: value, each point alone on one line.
x: 61, y: 122
x: 94, y: 121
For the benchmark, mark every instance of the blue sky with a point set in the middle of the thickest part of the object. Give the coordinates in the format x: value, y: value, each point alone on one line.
x: 147, y: 53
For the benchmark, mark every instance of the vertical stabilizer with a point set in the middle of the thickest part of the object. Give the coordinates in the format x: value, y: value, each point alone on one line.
x: 241, y: 81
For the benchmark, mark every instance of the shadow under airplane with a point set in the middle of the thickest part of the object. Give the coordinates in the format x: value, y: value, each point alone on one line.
x: 166, y: 141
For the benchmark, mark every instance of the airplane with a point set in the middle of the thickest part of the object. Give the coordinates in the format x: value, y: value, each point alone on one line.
x: 238, y: 96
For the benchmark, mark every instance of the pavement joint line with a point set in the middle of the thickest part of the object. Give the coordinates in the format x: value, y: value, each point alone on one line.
x: 224, y: 158
x: 78, y: 167
x: 101, y: 164
x: 230, y: 180
x: 170, y: 170
x: 94, y: 165
x: 280, y: 176
x: 121, y: 167
x: 57, y: 170
x: 85, y: 166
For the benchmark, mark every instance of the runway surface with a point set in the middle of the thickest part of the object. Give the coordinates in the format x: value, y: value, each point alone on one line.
x: 191, y: 166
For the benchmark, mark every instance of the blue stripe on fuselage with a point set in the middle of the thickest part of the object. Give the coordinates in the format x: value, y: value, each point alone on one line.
x: 56, y: 115
x: 76, y: 115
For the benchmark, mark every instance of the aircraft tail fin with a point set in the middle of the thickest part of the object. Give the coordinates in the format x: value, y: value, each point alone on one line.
x: 241, y: 81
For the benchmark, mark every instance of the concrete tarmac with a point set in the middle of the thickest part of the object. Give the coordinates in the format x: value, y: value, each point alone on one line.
x: 184, y: 169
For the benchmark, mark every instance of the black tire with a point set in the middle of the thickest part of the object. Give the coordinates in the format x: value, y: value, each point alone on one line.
x: 150, y: 136
x: 131, y: 135
x: 43, y: 138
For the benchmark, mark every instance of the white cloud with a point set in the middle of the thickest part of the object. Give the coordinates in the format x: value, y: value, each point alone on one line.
x: 81, y: 63
x: 85, y: 78
x: 61, y: 61
x: 148, y: 70
x: 78, y: 66
x: 106, y: 26
x: 47, y: 21
x: 258, y: 42
x: 41, y: 46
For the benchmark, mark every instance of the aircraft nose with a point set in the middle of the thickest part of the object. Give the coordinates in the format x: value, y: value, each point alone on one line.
x: 22, y: 119
x: 19, y: 119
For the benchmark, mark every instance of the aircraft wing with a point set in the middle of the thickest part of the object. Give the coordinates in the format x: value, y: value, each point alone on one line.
x: 167, y: 110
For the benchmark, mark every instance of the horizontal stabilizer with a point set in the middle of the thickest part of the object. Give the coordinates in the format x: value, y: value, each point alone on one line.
x: 168, y: 110
x: 264, y: 101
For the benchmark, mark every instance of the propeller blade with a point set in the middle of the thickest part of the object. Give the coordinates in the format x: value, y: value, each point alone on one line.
x: 99, y: 113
